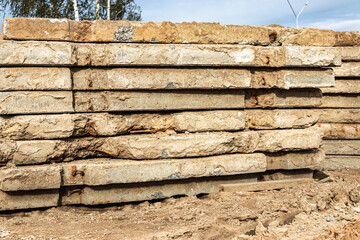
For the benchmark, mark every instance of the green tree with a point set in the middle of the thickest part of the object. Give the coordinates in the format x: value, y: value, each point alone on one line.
x: 120, y: 9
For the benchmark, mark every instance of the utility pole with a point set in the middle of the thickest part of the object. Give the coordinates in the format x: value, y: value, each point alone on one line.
x: 76, y: 10
x: 297, y: 15
x: 108, y: 9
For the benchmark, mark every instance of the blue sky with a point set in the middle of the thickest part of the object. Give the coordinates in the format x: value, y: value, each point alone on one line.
x: 330, y: 14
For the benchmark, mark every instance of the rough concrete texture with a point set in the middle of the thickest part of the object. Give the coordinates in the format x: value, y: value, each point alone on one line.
x: 341, y: 147
x: 36, y: 78
x: 340, y: 130
x: 341, y: 101
x: 154, y: 78
x: 94, y: 172
x: 348, y: 69
x: 312, y: 37
x: 345, y: 86
x: 161, y: 145
x: 59, y: 126
x: 159, y: 190
x: 280, y: 118
x: 126, y: 31
x: 283, y: 98
x: 336, y: 162
x: 35, y: 53
x: 295, y: 160
x: 157, y: 101
x: 25, y: 127
x: 350, y: 53
x: 203, y: 55
x: 95, y: 195
x: 21, y: 102
x: 64, y: 54
x: 338, y: 115
x: 104, y: 124
x: 167, y: 32
x: 30, y: 178
x: 262, y: 186
x: 28, y: 199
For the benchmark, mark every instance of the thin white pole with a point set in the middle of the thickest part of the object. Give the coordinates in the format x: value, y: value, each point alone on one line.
x: 108, y: 10
x: 76, y: 10
x: 297, y: 15
x: 97, y: 9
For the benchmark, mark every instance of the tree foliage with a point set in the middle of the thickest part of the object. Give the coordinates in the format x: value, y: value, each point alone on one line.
x: 120, y: 9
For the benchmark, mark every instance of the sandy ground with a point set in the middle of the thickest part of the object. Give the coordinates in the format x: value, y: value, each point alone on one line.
x: 325, y: 209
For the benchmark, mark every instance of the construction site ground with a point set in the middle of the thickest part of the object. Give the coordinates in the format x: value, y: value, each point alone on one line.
x: 328, y: 208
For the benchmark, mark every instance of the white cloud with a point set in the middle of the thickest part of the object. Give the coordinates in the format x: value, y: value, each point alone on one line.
x: 343, y: 25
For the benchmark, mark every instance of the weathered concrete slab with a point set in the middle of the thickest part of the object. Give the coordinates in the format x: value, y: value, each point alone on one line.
x: 147, y: 191
x: 58, y: 126
x: 28, y: 199
x: 340, y: 130
x: 295, y: 160
x: 21, y: 102
x: 160, y: 190
x: 337, y: 162
x: 262, y: 186
x: 203, y: 55
x: 280, y: 118
x: 348, y: 69
x: 313, y: 37
x: 167, y: 32
x: 165, y: 78
x: 344, y: 86
x: 36, y: 78
x: 350, y: 53
x: 159, y: 146
x: 94, y: 172
x: 338, y: 115
x: 283, y: 98
x: 157, y: 101
x: 127, y: 31
x: 341, y: 101
x: 294, y: 78
x: 27, y: 127
x: 35, y: 53
x: 30, y: 178
x: 341, y: 147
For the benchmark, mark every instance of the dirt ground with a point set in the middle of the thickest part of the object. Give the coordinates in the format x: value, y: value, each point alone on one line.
x: 325, y: 209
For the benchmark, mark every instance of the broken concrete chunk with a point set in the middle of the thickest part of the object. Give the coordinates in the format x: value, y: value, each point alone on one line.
x: 95, y: 172
x: 30, y: 178
x: 157, y: 101
x: 21, y: 102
